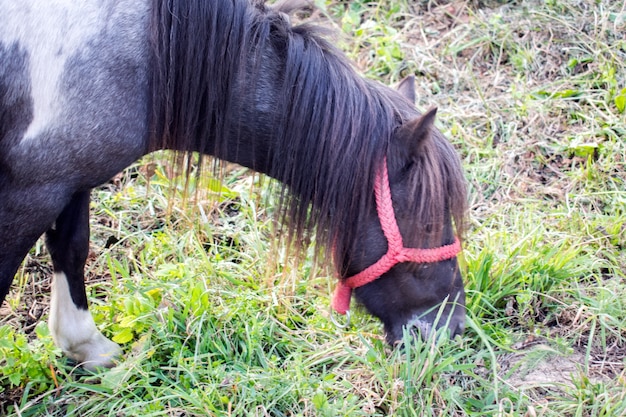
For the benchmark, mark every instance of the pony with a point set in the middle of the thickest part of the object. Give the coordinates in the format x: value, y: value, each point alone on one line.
x: 87, y: 88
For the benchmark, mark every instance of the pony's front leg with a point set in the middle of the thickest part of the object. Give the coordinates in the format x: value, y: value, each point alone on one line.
x: 70, y: 322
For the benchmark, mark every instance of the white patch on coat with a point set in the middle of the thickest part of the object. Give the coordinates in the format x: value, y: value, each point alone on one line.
x: 74, y: 330
x: 51, y: 31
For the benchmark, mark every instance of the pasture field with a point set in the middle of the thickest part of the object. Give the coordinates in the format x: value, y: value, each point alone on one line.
x: 216, y: 321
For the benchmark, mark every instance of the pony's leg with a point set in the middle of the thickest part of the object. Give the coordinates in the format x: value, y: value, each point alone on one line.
x: 10, y: 259
x: 23, y: 219
x: 70, y: 322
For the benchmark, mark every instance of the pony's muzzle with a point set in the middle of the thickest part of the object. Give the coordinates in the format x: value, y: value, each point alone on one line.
x: 449, y: 317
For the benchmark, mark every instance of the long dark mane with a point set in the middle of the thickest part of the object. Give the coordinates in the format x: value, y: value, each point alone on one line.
x: 330, y: 128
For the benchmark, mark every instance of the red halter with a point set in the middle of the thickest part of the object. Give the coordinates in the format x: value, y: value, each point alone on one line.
x: 396, y: 252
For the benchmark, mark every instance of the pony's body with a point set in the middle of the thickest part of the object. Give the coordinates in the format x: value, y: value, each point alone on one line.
x: 87, y: 88
x: 67, y: 125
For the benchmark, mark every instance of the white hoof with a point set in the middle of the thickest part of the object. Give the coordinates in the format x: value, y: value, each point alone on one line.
x: 97, y: 352
x: 75, y: 332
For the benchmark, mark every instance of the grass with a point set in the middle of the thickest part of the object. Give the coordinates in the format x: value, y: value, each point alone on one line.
x: 215, y: 320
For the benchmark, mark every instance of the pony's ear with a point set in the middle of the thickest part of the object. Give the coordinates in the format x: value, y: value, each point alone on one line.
x: 407, y: 88
x: 414, y: 134
x: 421, y: 127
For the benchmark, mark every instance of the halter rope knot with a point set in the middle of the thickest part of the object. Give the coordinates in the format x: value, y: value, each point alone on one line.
x: 396, y: 252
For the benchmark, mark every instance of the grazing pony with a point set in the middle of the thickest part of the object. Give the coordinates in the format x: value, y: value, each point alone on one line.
x: 88, y: 87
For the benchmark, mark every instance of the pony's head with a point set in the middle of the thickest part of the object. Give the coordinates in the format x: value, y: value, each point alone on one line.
x: 403, y: 267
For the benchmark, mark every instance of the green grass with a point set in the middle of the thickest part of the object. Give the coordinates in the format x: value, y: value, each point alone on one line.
x: 215, y: 319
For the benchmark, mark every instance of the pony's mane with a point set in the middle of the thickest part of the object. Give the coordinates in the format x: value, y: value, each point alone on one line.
x: 330, y: 133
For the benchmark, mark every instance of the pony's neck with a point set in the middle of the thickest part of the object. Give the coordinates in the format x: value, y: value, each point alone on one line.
x: 236, y: 81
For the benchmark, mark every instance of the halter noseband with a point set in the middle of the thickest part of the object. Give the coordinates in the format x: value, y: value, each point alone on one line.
x: 396, y: 252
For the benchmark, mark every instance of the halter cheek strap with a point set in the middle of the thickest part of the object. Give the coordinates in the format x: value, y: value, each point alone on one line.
x: 396, y: 252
